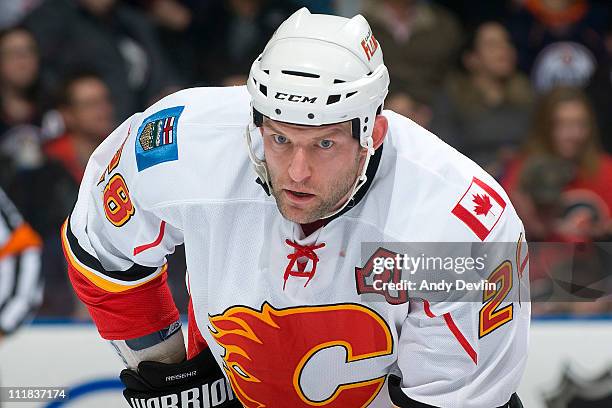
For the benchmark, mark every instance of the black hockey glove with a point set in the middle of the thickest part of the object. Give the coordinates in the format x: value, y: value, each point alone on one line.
x: 198, y: 382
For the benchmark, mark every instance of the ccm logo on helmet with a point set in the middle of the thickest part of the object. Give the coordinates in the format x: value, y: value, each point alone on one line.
x: 294, y: 98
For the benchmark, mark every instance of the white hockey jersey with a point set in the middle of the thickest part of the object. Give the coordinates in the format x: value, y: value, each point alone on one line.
x: 282, y: 313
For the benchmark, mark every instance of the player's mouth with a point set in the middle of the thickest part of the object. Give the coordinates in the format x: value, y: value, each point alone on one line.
x: 298, y: 197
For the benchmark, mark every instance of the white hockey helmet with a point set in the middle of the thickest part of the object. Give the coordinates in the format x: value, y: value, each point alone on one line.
x: 316, y: 70
x: 320, y: 69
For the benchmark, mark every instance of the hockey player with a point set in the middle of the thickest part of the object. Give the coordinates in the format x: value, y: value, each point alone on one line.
x: 277, y: 317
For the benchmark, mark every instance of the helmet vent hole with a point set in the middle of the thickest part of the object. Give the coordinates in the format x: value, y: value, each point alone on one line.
x: 310, y: 116
x: 338, y: 81
x: 348, y: 95
x: 277, y: 111
x: 267, y: 71
x: 302, y: 74
x: 365, y: 128
x: 333, y: 99
x: 263, y: 89
x: 366, y: 119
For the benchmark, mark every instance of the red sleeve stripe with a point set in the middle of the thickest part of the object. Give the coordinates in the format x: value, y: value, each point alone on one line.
x: 133, y: 273
x: 455, y: 330
x: 127, y: 313
x: 427, y: 309
x: 101, y: 278
x: 460, y: 337
x: 160, y: 236
x: 130, y: 314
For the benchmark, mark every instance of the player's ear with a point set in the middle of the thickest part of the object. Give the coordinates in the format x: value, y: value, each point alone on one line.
x: 380, y: 130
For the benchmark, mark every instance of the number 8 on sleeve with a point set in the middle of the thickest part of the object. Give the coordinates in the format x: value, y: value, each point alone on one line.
x: 118, y: 206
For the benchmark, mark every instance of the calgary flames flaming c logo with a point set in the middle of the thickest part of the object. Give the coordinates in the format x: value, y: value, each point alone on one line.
x: 267, y: 351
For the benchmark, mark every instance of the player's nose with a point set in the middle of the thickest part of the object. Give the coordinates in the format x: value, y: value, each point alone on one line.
x: 299, y: 168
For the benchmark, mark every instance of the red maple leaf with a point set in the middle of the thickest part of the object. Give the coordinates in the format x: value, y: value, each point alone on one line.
x: 483, y: 204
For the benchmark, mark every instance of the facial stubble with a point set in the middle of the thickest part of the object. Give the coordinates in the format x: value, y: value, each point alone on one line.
x: 328, y: 200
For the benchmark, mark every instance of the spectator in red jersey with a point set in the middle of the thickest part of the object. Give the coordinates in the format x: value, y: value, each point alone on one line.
x: 564, y: 128
x: 87, y: 112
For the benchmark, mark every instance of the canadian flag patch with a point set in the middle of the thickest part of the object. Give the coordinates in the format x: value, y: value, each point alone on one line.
x: 480, y: 208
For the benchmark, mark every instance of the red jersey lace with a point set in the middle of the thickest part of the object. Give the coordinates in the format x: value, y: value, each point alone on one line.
x: 301, y: 251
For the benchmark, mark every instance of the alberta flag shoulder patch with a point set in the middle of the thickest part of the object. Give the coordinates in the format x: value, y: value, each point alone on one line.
x: 480, y: 208
x: 157, y: 138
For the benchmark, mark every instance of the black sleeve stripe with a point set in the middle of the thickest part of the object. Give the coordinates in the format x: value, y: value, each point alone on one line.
x: 134, y: 273
x: 399, y: 398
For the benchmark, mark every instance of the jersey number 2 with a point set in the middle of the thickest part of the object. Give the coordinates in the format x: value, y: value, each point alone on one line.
x: 491, y: 316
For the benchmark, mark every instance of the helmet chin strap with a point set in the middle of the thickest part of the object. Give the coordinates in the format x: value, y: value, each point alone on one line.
x: 260, y: 165
x: 262, y: 170
x: 361, y: 180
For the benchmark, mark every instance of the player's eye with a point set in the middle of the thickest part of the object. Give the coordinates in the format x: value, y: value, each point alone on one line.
x: 325, y: 144
x: 280, y: 139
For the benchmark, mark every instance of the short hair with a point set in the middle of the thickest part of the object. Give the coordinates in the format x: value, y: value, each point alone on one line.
x: 65, y: 90
x: 15, y: 29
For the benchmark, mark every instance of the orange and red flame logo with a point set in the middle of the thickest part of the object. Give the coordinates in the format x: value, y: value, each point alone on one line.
x: 267, y: 351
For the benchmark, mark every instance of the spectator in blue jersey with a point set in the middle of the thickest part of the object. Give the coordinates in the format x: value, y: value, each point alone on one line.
x: 560, y: 42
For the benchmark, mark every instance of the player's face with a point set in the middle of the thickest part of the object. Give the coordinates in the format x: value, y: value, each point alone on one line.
x: 312, y: 169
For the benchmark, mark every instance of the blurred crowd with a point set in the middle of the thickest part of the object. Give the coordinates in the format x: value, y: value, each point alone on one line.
x: 523, y: 87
